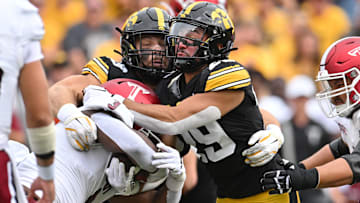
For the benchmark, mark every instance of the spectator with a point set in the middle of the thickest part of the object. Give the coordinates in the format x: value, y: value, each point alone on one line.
x: 57, y: 21
x: 324, y: 14
x: 82, y: 39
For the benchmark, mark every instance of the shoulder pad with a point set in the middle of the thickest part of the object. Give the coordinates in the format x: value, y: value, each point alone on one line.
x: 112, y: 63
x: 99, y: 67
x: 227, y: 74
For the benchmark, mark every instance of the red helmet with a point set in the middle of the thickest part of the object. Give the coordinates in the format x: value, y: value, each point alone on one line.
x: 178, y: 5
x: 340, y: 62
x: 132, y: 89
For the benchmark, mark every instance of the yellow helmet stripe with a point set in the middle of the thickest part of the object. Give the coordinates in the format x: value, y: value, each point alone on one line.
x: 161, y: 21
x: 133, y: 17
x: 189, y: 8
x: 231, y: 23
x: 127, y: 20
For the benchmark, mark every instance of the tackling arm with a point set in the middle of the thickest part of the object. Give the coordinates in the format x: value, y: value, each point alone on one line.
x: 125, y: 140
x: 192, y: 112
x: 328, y: 172
x: 65, y: 95
x: 335, y: 164
x: 323, y: 156
x: 335, y: 173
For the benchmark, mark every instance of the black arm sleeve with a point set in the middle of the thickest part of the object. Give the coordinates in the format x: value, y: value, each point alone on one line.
x: 353, y: 160
x: 338, y: 148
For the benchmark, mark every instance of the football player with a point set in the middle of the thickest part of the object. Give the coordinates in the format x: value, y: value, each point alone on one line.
x: 80, y: 176
x: 143, y: 51
x: 20, y: 67
x: 210, y: 102
x: 338, y: 162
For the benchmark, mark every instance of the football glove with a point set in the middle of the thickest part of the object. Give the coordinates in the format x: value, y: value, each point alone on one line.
x: 170, y: 158
x: 98, y: 98
x: 264, y: 145
x: 80, y: 129
x: 124, y: 183
x: 292, y: 178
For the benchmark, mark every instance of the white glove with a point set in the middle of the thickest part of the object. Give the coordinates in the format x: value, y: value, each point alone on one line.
x: 121, y: 181
x: 98, y: 98
x: 267, y: 143
x: 80, y: 129
x: 170, y: 158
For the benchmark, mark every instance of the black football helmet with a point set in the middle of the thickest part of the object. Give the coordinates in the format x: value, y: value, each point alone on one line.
x: 148, y: 21
x: 217, y: 30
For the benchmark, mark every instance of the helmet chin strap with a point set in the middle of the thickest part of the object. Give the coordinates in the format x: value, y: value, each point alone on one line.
x: 189, y: 66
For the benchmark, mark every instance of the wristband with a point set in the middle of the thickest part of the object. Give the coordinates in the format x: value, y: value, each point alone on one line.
x: 311, y: 179
x: 45, y: 156
x: 338, y: 148
x: 47, y: 172
x: 42, y: 139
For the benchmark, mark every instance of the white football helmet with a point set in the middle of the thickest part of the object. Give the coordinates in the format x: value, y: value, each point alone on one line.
x: 339, y: 75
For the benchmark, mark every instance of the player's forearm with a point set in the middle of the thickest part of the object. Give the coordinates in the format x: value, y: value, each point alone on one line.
x: 196, y: 120
x: 192, y: 112
x: 57, y: 101
x: 224, y: 101
x: 335, y: 173
x: 321, y: 157
x: 159, y: 112
x: 125, y: 139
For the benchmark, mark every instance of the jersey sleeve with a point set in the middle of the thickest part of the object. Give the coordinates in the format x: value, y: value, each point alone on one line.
x: 31, y: 22
x: 98, y: 67
x: 227, y: 75
x: 32, y: 52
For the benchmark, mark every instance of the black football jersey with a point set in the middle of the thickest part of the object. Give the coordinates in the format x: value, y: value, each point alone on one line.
x: 220, y: 143
x: 104, y: 68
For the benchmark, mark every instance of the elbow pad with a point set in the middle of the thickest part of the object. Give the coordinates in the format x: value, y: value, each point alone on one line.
x: 338, y: 148
x: 353, y: 160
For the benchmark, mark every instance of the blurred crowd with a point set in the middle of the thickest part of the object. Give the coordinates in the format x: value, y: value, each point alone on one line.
x: 279, y: 41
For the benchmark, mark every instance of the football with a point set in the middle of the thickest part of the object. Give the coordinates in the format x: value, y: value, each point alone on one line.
x: 123, y: 157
